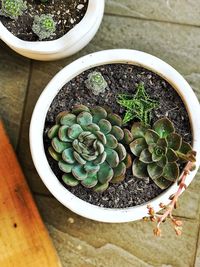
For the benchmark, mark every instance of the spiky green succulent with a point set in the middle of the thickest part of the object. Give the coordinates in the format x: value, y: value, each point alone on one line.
x: 138, y: 106
x: 96, y: 83
x: 44, y: 26
x: 157, y: 152
x: 87, y: 143
x: 12, y: 8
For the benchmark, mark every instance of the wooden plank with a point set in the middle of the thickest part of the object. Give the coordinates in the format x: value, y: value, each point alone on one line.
x: 14, y: 73
x: 175, y: 11
x: 176, y: 44
x: 24, y: 240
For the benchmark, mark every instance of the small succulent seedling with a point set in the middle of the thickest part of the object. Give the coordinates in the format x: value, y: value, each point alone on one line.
x: 96, y: 83
x: 157, y: 152
x: 138, y: 106
x: 12, y: 8
x: 44, y: 26
x: 87, y: 143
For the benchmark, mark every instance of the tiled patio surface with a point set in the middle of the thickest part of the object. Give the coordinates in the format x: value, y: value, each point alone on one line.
x: 169, y: 29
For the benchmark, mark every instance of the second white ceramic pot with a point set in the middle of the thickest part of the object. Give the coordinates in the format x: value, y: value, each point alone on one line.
x: 67, y: 45
x: 65, y: 75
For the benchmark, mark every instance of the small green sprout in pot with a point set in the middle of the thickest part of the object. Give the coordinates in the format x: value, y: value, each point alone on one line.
x: 96, y: 83
x: 158, y: 152
x: 12, y: 8
x: 88, y: 144
x: 44, y: 26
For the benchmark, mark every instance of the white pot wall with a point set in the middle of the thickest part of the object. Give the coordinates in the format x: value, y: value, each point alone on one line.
x: 67, y: 45
x: 65, y: 75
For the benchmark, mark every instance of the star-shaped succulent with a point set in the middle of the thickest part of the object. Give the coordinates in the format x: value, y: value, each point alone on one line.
x: 138, y: 106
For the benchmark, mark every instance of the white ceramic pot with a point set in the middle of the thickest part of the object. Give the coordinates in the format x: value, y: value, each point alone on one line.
x: 65, y: 75
x: 67, y: 45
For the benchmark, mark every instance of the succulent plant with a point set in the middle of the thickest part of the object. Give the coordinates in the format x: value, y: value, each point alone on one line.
x: 96, y: 83
x: 87, y: 143
x: 44, y: 26
x: 157, y: 152
x: 12, y: 8
x: 138, y: 106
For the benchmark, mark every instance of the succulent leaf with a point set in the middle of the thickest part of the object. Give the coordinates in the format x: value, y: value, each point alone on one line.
x: 163, y: 127
x: 68, y: 155
x: 77, y: 109
x: 119, y: 173
x: 151, y: 137
x: 145, y: 156
x: 117, y: 132
x: 90, y: 167
x: 69, y: 179
x: 84, y: 118
x: 54, y: 154
x: 128, y: 138
x: 162, y: 182
x: 98, y: 114
x: 87, y: 143
x: 78, y: 158
x: 137, y: 146
x: 58, y: 145
x: 68, y: 119
x: 79, y: 172
x: 105, y: 173
x: 154, y: 171
x: 171, y: 155
x: 74, y: 131
x: 111, y: 141
x: 115, y: 119
x: 105, y: 126
x: 174, y: 141
x: 99, y: 188
x: 90, y: 181
x: 138, y: 130
x: 53, y: 131
x: 112, y: 157
x: 128, y: 161
x: 171, y: 171
x: 139, y: 169
x: 65, y: 167
x: 121, y: 151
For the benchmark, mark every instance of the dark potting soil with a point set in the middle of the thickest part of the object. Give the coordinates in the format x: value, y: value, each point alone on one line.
x: 121, y: 78
x: 67, y: 13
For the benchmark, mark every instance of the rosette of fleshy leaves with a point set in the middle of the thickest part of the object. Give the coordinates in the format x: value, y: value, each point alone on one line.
x: 158, y: 151
x: 88, y: 145
x: 12, y: 8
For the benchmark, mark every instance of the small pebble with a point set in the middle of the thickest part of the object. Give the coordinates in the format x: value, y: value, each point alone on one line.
x: 70, y: 220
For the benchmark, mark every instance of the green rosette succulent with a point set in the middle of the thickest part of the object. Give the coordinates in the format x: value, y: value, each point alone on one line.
x: 12, y: 8
x: 44, y: 26
x: 157, y: 152
x: 87, y: 143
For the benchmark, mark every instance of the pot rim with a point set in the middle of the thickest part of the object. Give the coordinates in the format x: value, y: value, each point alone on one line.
x: 68, y: 40
x: 134, y: 57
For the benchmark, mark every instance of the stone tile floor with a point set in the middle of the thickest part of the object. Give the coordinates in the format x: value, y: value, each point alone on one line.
x: 165, y: 28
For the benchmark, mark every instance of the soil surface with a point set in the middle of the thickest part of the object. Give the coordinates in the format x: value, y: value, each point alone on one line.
x: 121, y: 78
x: 66, y: 13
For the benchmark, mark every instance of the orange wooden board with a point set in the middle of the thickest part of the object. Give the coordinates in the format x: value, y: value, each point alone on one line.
x: 24, y: 240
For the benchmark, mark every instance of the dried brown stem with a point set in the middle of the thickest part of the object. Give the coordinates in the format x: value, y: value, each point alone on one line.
x: 169, y: 208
